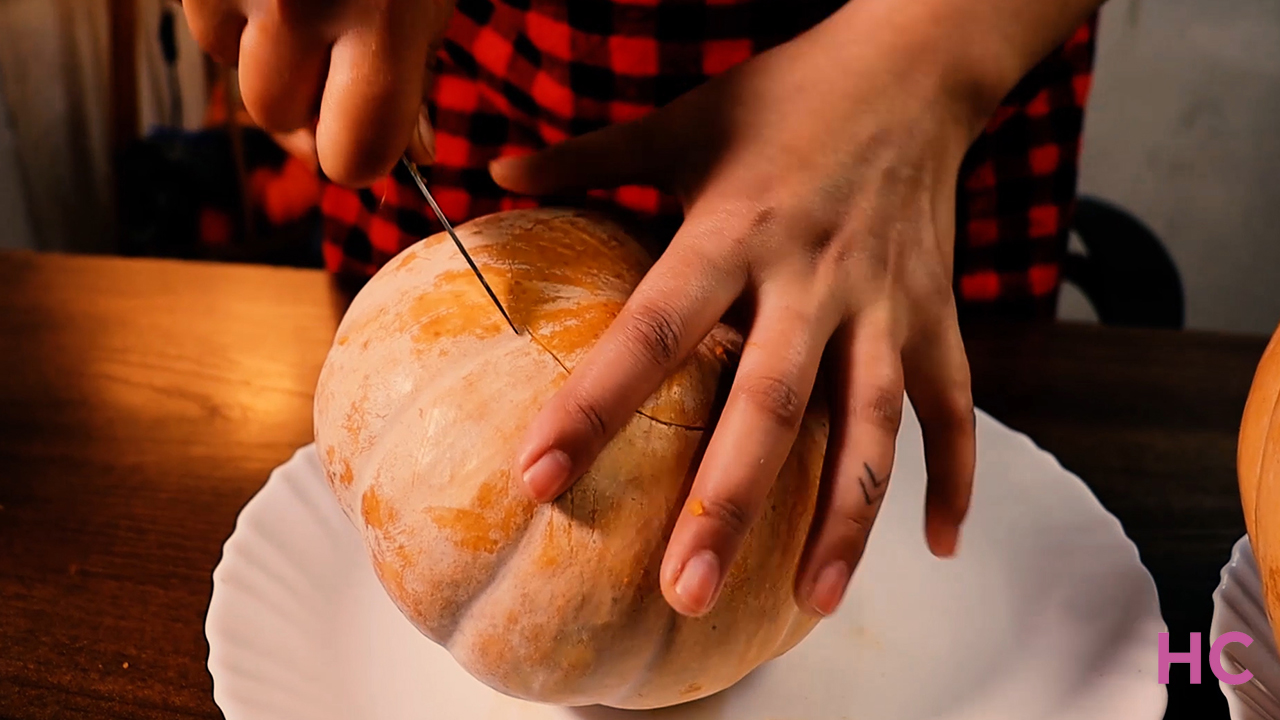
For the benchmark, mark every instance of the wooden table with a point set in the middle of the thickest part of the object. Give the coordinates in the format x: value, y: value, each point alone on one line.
x: 142, y: 403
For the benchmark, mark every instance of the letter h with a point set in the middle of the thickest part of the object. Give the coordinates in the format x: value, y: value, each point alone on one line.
x: 1191, y: 658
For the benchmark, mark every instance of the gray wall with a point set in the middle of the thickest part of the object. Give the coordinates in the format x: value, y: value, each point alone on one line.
x: 1183, y: 130
x: 54, y: 139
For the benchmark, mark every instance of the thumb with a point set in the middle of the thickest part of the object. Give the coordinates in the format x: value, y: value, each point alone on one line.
x: 631, y: 153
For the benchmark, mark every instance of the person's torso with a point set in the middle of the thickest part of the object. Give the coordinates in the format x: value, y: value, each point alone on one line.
x: 520, y: 75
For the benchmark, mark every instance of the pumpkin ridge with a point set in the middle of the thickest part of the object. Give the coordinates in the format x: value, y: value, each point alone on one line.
x: 502, y: 560
x: 664, y: 641
x: 495, y: 578
x: 1266, y: 432
x: 660, y: 649
x: 366, y: 460
x: 1262, y: 457
x: 661, y: 643
x: 1250, y: 474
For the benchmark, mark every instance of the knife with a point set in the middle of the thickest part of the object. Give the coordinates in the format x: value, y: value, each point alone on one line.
x: 422, y: 186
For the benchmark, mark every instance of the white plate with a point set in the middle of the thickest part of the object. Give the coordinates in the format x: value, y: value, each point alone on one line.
x: 1238, y: 606
x: 1046, y: 613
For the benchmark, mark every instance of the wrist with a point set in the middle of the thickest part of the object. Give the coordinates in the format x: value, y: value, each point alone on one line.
x: 966, y: 54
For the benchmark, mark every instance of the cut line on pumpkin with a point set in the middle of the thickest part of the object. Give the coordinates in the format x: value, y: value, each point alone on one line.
x: 641, y: 413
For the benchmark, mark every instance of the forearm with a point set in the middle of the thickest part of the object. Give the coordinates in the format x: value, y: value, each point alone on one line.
x: 976, y: 49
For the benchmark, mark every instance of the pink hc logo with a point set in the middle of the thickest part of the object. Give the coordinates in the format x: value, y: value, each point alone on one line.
x: 1193, y: 658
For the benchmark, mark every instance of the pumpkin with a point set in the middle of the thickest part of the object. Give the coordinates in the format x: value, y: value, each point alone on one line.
x: 420, y: 405
x: 1258, y: 469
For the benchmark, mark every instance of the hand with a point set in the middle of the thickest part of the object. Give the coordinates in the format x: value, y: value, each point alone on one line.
x: 343, y: 79
x: 823, y: 200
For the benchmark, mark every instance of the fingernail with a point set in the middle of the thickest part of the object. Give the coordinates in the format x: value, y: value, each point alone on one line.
x: 697, y: 583
x: 829, y: 588
x: 947, y: 549
x: 943, y: 542
x: 427, y: 138
x: 548, y: 474
x: 496, y: 167
x: 942, y: 531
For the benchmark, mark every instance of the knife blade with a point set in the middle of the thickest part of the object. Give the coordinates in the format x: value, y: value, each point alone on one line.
x: 422, y: 186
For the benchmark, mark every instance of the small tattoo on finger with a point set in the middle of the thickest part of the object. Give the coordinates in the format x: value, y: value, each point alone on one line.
x: 872, y: 487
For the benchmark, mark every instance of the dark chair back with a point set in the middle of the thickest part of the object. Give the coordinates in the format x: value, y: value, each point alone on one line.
x: 1126, y: 273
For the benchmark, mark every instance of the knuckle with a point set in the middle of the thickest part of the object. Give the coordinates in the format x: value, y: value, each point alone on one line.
x: 776, y: 397
x: 728, y: 513
x: 882, y: 410
x: 930, y: 284
x: 763, y: 221
x: 655, y: 333
x: 752, y: 226
x: 588, y: 416
x: 825, y: 246
x: 954, y: 413
x: 847, y: 251
x: 845, y: 531
x: 837, y: 252
x: 937, y: 291
x: 852, y: 525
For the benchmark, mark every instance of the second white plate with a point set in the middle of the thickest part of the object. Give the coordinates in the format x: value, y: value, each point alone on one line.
x: 1046, y: 614
x: 1238, y: 606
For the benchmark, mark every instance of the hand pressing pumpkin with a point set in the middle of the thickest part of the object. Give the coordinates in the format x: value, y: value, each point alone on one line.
x: 818, y: 181
x: 821, y: 202
x: 419, y: 411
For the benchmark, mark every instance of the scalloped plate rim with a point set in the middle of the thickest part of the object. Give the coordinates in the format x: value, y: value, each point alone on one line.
x: 231, y: 695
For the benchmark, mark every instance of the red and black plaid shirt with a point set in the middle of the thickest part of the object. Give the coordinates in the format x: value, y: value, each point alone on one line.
x: 519, y: 75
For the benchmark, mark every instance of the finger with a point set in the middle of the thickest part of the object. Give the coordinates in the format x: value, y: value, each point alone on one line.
x: 671, y: 311
x: 623, y: 154
x: 282, y: 72
x: 216, y: 26
x: 369, y: 110
x: 866, y: 414
x: 752, y: 440
x: 938, y: 383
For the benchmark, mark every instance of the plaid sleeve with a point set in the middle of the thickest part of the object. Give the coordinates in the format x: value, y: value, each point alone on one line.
x: 520, y: 75
x: 1018, y: 186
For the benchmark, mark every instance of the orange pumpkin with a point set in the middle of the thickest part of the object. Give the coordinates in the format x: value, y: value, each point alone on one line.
x: 421, y: 402
x: 1258, y: 469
